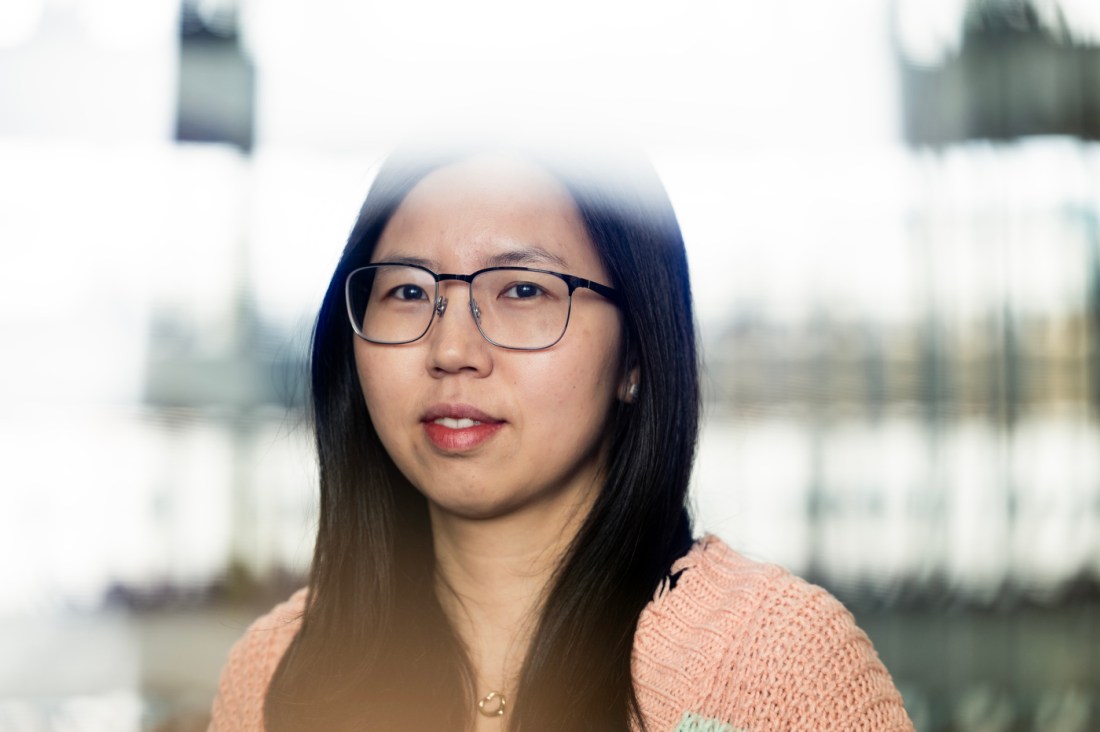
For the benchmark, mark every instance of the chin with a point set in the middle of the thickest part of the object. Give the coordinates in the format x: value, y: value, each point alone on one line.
x: 473, y: 508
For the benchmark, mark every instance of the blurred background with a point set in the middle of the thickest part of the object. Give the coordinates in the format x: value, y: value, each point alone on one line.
x: 892, y: 210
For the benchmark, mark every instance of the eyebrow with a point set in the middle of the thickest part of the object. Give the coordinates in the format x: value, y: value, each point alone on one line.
x: 523, y: 256
x: 526, y: 256
x: 415, y: 261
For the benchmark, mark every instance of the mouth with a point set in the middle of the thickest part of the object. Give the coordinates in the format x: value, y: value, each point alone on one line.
x: 457, y: 428
x: 456, y: 424
x: 457, y: 416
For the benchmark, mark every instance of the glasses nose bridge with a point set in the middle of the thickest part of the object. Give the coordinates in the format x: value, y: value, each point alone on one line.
x: 441, y: 300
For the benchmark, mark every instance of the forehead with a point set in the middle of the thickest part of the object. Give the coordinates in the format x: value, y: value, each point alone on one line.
x: 471, y: 212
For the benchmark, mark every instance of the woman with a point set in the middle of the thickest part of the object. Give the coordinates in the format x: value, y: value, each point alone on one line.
x: 506, y: 404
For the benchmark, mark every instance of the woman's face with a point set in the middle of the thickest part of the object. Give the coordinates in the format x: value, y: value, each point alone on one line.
x: 480, y: 430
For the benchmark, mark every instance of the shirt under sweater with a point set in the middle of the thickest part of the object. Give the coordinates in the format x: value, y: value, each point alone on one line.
x: 734, y: 646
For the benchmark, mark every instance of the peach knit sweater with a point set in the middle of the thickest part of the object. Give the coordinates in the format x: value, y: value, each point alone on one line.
x: 735, y: 646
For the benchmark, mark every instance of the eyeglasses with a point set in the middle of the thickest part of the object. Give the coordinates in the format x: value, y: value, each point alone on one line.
x: 520, y: 308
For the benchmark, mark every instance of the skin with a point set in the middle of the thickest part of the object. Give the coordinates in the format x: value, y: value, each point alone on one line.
x: 503, y: 509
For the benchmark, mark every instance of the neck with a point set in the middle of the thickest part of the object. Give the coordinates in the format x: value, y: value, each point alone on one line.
x: 492, y: 577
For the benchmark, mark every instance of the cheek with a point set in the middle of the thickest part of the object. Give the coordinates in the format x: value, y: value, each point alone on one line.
x: 378, y: 386
x: 363, y: 370
x: 581, y: 387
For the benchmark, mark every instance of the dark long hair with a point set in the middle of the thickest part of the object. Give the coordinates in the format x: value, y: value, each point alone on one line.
x: 375, y: 649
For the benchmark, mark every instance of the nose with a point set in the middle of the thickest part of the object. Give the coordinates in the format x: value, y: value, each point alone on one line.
x: 455, y: 345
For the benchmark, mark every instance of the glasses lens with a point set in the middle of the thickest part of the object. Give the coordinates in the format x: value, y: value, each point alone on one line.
x: 390, y: 303
x: 521, y: 309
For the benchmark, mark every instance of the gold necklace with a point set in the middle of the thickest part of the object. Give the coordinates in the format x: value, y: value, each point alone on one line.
x: 492, y: 704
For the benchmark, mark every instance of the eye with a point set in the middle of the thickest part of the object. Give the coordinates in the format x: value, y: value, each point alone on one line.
x: 523, y: 291
x: 408, y: 292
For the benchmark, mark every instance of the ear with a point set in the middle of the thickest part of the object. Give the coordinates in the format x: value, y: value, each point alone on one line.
x: 628, y: 388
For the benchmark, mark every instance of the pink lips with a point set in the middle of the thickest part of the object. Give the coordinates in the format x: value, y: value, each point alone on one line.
x: 458, y: 427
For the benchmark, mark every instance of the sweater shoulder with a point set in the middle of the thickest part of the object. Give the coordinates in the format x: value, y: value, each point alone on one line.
x: 754, y: 647
x: 718, y: 585
x: 238, y: 705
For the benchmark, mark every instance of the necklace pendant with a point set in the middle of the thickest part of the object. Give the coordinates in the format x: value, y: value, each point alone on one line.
x: 492, y: 704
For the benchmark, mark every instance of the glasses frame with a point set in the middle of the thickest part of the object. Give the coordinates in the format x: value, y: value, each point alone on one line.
x: 439, y: 303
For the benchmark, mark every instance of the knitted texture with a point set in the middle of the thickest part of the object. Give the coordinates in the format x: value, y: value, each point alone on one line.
x: 239, y: 704
x: 736, y: 646
x: 740, y: 646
